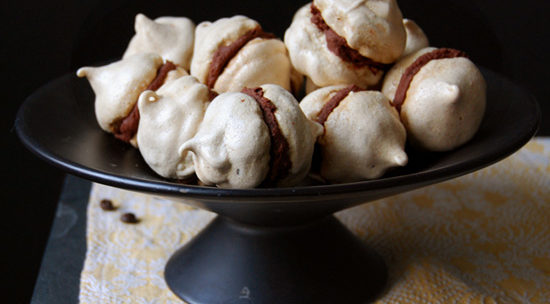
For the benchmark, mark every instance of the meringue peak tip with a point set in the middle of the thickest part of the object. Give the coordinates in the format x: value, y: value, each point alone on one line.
x: 140, y: 17
x: 149, y: 96
x: 142, y: 22
x: 185, y: 147
x: 401, y: 159
x: 453, y: 88
x: 83, y: 72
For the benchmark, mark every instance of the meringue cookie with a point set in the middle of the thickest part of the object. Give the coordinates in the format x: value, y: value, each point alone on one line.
x: 393, y: 76
x: 310, y: 86
x: 118, y: 85
x: 262, y: 58
x: 169, y: 117
x: 371, y: 36
x: 170, y: 37
x: 416, y: 39
x: 237, y: 147
x: 445, y: 100
x: 363, y: 135
x: 372, y: 27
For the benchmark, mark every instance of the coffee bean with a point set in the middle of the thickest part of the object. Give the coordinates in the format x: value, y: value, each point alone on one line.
x: 107, y: 205
x: 129, y: 218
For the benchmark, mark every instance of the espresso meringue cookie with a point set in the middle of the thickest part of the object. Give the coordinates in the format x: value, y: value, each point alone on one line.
x: 245, y: 141
x: 363, y: 136
x: 416, y: 38
x: 169, y: 117
x: 351, y: 42
x: 443, y: 101
x: 117, y: 86
x: 233, y: 53
x: 170, y: 37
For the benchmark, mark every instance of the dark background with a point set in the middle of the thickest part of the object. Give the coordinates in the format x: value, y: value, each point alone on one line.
x: 42, y: 40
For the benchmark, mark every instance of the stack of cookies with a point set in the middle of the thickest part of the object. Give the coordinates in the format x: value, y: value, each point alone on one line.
x: 222, y: 101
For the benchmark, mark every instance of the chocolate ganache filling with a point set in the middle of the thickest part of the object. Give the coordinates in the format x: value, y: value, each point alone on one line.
x: 125, y: 128
x: 279, y: 158
x: 408, y: 75
x: 339, y: 46
x: 223, y: 55
x: 335, y: 101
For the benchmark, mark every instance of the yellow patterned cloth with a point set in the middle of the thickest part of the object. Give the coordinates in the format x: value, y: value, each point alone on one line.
x: 480, y: 238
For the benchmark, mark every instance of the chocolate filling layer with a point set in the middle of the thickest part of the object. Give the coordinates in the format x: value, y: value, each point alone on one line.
x: 335, y: 101
x: 226, y: 52
x: 280, y: 160
x: 212, y: 94
x: 339, y: 46
x: 161, y: 76
x: 408, y: 75
x: 125, y: 128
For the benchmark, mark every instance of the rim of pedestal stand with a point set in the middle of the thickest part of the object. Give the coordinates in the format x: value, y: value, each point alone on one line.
x: 317, y: 262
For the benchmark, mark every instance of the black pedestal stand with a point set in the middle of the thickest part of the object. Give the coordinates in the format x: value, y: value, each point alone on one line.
x: 318, y: 262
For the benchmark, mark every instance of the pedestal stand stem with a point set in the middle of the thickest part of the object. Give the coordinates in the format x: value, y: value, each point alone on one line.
x: 319, y: 262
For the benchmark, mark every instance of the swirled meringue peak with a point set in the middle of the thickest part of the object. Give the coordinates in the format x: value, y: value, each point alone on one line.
x: 170, y: 37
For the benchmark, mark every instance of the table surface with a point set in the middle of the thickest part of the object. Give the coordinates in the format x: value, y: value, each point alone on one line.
x: 59, y: 277
x: 522, y: 193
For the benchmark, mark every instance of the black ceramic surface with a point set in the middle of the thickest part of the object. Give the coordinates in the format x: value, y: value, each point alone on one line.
x: 266, y: 261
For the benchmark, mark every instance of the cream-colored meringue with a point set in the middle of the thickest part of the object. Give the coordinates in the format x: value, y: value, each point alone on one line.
x: 175, y: 74
x: 416, y: 39
x: 232, y: 146
x: 309, y: 54
x: 393, y: 76
x: 169, y: 117
x: 118, y: 85
x: 300, y: 132
x: 259, y: 61
x: 310, y: 86
x: 445, y: 102
x: 170, y: 37
x: 374, y: 28
x: 363, y: 135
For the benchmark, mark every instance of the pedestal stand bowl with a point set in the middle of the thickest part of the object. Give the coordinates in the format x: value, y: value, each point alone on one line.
x: 279, y: 245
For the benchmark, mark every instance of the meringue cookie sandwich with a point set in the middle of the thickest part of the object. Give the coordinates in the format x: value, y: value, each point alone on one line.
x: 233, y: 53
x: 169, y: 117
x: 363, y: 136
x: 441, y: 96
x: 118, y: 85
x: 259, y: 136
x: 346, y: 42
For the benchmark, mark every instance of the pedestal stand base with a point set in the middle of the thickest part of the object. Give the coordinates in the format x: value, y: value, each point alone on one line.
x: 320, y: 262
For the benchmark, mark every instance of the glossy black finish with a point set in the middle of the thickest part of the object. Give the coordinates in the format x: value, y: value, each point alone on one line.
x: 58, y: 124
x: 318, y: 262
